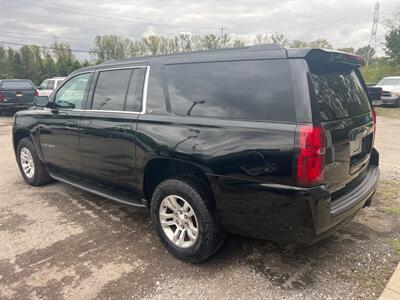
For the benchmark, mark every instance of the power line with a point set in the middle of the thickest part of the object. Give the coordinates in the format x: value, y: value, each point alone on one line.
x: 46, y: 47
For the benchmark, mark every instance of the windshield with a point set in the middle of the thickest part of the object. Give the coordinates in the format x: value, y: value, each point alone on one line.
x: 389, y: 81
x: 339, y: 92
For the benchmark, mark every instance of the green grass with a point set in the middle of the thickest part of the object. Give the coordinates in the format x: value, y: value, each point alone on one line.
x: 375, y: 72
x: 396, y: 247
x: 391, y: 210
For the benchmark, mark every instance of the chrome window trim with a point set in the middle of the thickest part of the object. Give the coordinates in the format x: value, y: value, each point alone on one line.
x: 144, y: 94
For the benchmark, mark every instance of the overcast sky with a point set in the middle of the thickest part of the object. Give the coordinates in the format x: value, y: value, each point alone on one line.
x: 343, y: 23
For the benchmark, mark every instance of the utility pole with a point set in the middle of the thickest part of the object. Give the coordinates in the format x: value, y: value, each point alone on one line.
x: 374, y: 30
x: 222, y: 31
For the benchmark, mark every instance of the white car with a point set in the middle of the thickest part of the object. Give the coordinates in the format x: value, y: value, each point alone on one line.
x: 49, y: 85
x: 390, y: 90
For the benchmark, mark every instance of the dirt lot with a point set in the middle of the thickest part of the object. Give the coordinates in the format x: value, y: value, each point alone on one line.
x: 59, y: 242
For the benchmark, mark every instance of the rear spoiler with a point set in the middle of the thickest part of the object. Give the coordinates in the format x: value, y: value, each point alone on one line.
x: 326, y: 56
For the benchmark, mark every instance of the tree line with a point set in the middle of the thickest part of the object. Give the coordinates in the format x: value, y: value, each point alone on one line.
x: 38, y: 63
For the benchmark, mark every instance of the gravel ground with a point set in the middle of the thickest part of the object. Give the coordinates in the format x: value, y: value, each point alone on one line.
x: 57, y: 242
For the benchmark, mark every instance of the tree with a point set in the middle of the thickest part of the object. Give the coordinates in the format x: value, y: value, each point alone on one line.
x: 237, y: 43
x: 365, y: 52
x: 32, y: 68
x: 392, y: 43
x: 3, y: 62
x: 320, y: 43
x: 137, y: 48
x: 110, y: 47
x: 298, y: 44
x: 261, y: 39
x: 225, y: 41
x: 152, y: 43
x: 183, y: 42
x: 211, y: 41
x: 279, y: 38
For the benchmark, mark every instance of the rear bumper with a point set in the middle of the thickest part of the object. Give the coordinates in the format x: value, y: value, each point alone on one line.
x: 11, y: 105
x: 290, y: 214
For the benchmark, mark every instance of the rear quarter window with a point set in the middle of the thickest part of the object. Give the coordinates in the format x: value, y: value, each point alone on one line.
x: 17, y: 85
x: 254, y: 90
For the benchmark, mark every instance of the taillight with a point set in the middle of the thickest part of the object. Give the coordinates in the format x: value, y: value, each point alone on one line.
x: 36, y: 93
x: 374, y: 120
x: 311, y: 156
x: 2, y: 98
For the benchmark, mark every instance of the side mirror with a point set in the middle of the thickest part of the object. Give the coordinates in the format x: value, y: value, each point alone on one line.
x: 374, y: 93
x: 41, y: 101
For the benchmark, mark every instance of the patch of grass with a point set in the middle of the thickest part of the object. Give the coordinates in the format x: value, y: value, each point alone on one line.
x: 396, y: 247
x: 388, y: 112
x: 391, y: 210
x: 388, y: 190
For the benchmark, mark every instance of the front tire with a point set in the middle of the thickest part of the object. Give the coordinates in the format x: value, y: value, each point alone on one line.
x: 31, y: 167
x: 182, y: 214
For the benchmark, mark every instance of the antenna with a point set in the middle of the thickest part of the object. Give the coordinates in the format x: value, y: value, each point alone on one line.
x: 372, y: 37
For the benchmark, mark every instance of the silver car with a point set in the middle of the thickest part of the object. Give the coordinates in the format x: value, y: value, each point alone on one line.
x: 390, y: 91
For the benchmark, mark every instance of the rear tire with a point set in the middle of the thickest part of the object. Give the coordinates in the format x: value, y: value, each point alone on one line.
x: 168, y: 203
x: 31, y: 167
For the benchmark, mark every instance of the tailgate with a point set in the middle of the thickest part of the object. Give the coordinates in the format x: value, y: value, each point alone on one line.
x: 19, y: 96
x: 339, y: 97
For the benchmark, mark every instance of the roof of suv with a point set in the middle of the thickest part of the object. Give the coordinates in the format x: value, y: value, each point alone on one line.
x: 266, y: 51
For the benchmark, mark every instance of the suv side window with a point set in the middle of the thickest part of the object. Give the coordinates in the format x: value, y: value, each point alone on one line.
x: 111, y: 89
x: 253, y: 90
x: 135, y: 92
x: 72, y: 94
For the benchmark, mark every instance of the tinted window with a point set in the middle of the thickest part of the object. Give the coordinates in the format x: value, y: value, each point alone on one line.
x: 255, y: 90
x: 339, y: 92
x: 135, y: 92
x: 111, y: 90
x: 17, y: 85
x: 72, y: 93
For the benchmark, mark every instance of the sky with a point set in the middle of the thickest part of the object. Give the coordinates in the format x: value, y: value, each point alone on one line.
x: 343, y: 23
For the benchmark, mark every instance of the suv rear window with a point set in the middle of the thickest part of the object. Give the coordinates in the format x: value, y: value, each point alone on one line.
x: 339, y: 92
x: 253, y: 90
x: 17, y: 85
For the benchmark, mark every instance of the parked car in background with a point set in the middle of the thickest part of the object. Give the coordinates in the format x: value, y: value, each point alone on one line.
x: 49, y: 85
x: 262, y: 141
x: 390, y: 91
x: 16, y: 94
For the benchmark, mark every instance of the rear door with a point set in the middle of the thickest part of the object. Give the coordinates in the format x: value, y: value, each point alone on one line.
x: 108, y: 127
x: 18, y: 92
x: 341, y: 104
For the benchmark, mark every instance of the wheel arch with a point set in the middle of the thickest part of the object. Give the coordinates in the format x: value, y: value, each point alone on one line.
x: 160, y: 169
x: 19, y: 134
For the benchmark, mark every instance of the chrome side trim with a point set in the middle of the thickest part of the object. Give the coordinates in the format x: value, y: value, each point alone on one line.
x: 144, y: 95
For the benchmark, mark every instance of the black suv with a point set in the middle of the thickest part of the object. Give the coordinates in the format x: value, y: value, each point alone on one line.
x: 16, y: 94
x: 262, y: 141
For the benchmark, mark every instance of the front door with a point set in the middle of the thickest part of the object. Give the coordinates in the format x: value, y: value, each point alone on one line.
x: 59, y: 126
x: 108, y: 127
